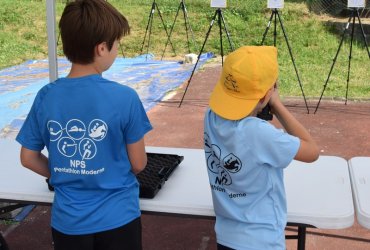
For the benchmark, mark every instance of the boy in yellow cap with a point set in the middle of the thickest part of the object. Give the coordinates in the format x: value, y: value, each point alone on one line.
x: 246, y: 155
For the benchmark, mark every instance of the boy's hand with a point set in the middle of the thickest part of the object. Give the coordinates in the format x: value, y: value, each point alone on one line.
x: 274, y: 101
x: 308, y: 150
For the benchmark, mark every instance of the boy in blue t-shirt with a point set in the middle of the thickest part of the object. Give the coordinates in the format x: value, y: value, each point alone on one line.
x: 94, y: 131
x: 246, y: 155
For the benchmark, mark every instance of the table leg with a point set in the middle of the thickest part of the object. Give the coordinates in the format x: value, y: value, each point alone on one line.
x: 300, y: 236
x: 3, y: 245
x: 301, y: 245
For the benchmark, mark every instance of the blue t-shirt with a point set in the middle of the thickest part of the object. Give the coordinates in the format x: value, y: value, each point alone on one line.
x: 245, y: 161
x: 86, y: 123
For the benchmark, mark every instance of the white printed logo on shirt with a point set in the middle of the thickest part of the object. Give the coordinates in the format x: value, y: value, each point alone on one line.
x: 75, y: 139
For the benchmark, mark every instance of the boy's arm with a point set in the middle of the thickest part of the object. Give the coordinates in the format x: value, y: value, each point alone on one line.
x: 308, y: 150
x: 137, y: 155
x: 35, y: 161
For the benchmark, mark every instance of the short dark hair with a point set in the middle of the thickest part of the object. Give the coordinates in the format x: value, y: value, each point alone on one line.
x: 87, y: 23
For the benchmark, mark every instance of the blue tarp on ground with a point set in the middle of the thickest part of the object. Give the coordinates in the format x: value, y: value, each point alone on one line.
x: 152, y: 79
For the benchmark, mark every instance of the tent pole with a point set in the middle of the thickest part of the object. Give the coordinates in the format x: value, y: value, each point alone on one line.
x: 51, y: 30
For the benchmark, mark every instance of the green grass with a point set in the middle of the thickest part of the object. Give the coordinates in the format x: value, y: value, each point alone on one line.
x: 314, y: 42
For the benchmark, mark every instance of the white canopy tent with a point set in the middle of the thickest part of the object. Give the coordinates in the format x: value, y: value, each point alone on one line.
x: 52, y: 41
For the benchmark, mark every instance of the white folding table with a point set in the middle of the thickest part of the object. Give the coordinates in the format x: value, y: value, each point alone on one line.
x: 318, y: 194
x: 360, y: 176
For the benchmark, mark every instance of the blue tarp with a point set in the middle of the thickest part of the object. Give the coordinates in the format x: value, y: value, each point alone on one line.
x: 152, y: 79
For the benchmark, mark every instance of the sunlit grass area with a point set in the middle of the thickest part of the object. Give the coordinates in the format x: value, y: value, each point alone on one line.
x: 313, y: 40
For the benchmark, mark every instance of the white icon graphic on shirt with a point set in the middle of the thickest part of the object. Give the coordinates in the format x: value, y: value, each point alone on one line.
x: 76, y: 129
x: 98, y: 129
x: 74, y: 138
x: 55, y: 130
x: 87, y: 149
x: 67, y: 146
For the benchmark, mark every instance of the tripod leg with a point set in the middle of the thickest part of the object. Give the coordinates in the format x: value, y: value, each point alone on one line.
x: 275, y: 25
x: 267, y: 29
x: 120, y: 46
x: 334, y: 60
x: 147, y: 26
x: 227, y: 32
x: 293, y: 61
x: 188, y: 26
x: 186, y: 23
x: 165, y: 29
x: 149, y: 37
x: 350, y: 54
x: 200, y: 53
x: 220, y: 27
x: 363, y: 32
x: 173, y: 25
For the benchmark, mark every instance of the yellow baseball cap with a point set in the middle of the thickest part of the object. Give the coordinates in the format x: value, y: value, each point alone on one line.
x: 248, y: 73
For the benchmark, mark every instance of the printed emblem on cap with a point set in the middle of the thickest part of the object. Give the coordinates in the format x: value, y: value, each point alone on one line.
x: 230, y: 83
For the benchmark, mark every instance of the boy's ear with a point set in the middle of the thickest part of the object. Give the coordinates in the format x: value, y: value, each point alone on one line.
x: 262, y: 99
x: 101, y: 48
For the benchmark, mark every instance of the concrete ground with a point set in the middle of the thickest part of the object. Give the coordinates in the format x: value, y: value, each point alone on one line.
x: 340, y: 130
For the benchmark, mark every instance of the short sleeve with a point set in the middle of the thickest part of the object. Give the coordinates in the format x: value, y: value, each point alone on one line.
x: 279, y: 148
x: 29, y: 135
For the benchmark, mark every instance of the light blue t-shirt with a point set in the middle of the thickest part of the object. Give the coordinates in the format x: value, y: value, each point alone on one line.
x: 86, y: 123
x: 245, y: 161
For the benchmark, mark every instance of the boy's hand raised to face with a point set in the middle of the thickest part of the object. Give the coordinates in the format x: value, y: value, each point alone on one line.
x: 274, y: 101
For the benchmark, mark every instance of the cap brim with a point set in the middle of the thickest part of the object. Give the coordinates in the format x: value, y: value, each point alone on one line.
x: 229, y: 107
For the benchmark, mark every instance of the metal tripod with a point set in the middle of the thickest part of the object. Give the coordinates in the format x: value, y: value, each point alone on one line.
x: 275, y: 15
x: 149, y: 27
x: 221, y: 21
x: 187, y: 26
x: 352, y: 19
